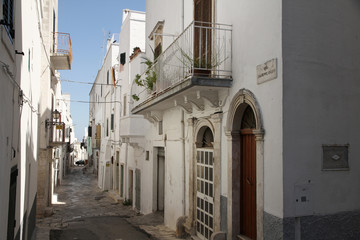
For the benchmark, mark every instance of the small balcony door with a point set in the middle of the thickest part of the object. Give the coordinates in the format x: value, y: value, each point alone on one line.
x: 202, y: 36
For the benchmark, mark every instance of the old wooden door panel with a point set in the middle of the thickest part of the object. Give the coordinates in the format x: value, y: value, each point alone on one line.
x: 138, y: 188
x: 202, y: 34
x: 161, y: 181
x: 12, y: 204
x: 248, y: 184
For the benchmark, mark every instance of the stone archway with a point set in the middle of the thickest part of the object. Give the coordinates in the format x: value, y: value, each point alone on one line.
x: 205, y: 139
x: 243, y: 102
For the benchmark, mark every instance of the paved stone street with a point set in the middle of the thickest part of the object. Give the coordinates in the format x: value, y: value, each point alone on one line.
x: 85, y: 212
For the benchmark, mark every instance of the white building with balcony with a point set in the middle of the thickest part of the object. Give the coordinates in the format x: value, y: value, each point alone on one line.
x: 117, y: 135
x: 132, y: 170
x: 56, y: 54
x: 27, y: 77
x: 245, y: 100
x: 105, y: 102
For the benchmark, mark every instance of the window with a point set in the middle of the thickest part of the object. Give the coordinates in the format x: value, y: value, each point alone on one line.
x: 107, y: 127
x: 107, y: 77
x: 158, y: 42
x: 112, y: 121
x: 157, y: 35
x: 124, y: 103
x: 8, y: 17
x: 160, y: 127
x: 54, y: 30
x: 123, y: 58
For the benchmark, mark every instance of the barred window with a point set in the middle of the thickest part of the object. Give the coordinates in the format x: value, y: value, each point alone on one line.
x: 8, y: 17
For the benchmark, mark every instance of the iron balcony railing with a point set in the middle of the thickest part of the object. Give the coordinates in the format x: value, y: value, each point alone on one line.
x: 57, y: 133
x: 62, y: 44
x: 203, y: 49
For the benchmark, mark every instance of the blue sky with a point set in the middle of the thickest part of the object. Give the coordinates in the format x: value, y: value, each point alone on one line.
x: 88, y: 23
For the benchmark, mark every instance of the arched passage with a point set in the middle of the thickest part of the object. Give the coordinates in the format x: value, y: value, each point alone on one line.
x: 204, y: 183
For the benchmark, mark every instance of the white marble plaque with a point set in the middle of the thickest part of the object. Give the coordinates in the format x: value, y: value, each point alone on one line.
x: 266, y: 71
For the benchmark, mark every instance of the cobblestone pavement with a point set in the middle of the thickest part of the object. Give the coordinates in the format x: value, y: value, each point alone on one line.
x: 79, y: 198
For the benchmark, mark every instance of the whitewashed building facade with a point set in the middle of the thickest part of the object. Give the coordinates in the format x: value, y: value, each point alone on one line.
x: 131, y: 175
x: 244, y: 140
x: 104, y: 97
x: 56, y: 54
x: 25, y: 59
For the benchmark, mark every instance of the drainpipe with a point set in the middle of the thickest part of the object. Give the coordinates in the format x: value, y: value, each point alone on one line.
x: 182, y: 15
x: 126, y: 170
x: 183, y: 154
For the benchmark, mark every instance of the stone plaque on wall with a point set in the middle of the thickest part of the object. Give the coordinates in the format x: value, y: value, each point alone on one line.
x: 266, y: 71
x: 335, y: 157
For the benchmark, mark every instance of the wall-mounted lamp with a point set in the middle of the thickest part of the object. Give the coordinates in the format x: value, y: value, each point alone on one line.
x: 55, y: 116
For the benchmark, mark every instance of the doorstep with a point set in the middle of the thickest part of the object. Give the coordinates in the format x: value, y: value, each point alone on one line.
x: 115, y: 196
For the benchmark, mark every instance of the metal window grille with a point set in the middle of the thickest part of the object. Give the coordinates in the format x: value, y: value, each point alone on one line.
x: 8, y: 17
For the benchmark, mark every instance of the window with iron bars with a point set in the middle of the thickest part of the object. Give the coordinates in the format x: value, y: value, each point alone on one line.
x: 8, y: 18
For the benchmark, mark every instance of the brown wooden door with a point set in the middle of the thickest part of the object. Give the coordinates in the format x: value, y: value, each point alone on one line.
x: 248, y: 184
x: 202, y: 35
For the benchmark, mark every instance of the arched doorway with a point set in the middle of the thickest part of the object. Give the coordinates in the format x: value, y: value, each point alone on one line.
x: 246, y: 198
x: 248, y: 174
x: 205, y: 183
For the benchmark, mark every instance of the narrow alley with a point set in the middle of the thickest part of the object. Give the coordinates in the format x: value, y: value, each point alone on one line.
x: 196, y: 119
x: 82, y: 211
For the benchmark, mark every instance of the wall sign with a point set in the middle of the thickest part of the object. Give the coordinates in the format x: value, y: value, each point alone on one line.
x: 335, y: 157
x: 266, y: 71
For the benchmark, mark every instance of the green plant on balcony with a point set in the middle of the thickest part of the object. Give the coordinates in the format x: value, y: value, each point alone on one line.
x: 204, y: 61
x: 149, y: 78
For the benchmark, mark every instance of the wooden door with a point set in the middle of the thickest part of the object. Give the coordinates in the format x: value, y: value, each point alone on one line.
x: 161, y: 180
x: 130, y: 197
x: 248, y: 184
x: 116, y: 186
x: 98, y: 136
x: 202, y: 36
x: 12, y: 204
x: 137, y: 188
x: 121, y: 180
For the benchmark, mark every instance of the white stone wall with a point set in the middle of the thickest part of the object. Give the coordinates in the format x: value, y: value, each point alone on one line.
x: 321, y: 98
x: 256, y: 38
x: 21, y: 118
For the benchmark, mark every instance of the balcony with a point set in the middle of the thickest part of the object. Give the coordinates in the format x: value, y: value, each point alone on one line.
x: 132, y: 126
x: 57, y: 134
x: 190, y: 72
x: 61, y: 55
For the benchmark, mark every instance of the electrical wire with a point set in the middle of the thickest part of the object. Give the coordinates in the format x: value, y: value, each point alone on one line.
x: 24, y: 98
x: 80, y: 101
x: 89, y: 83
